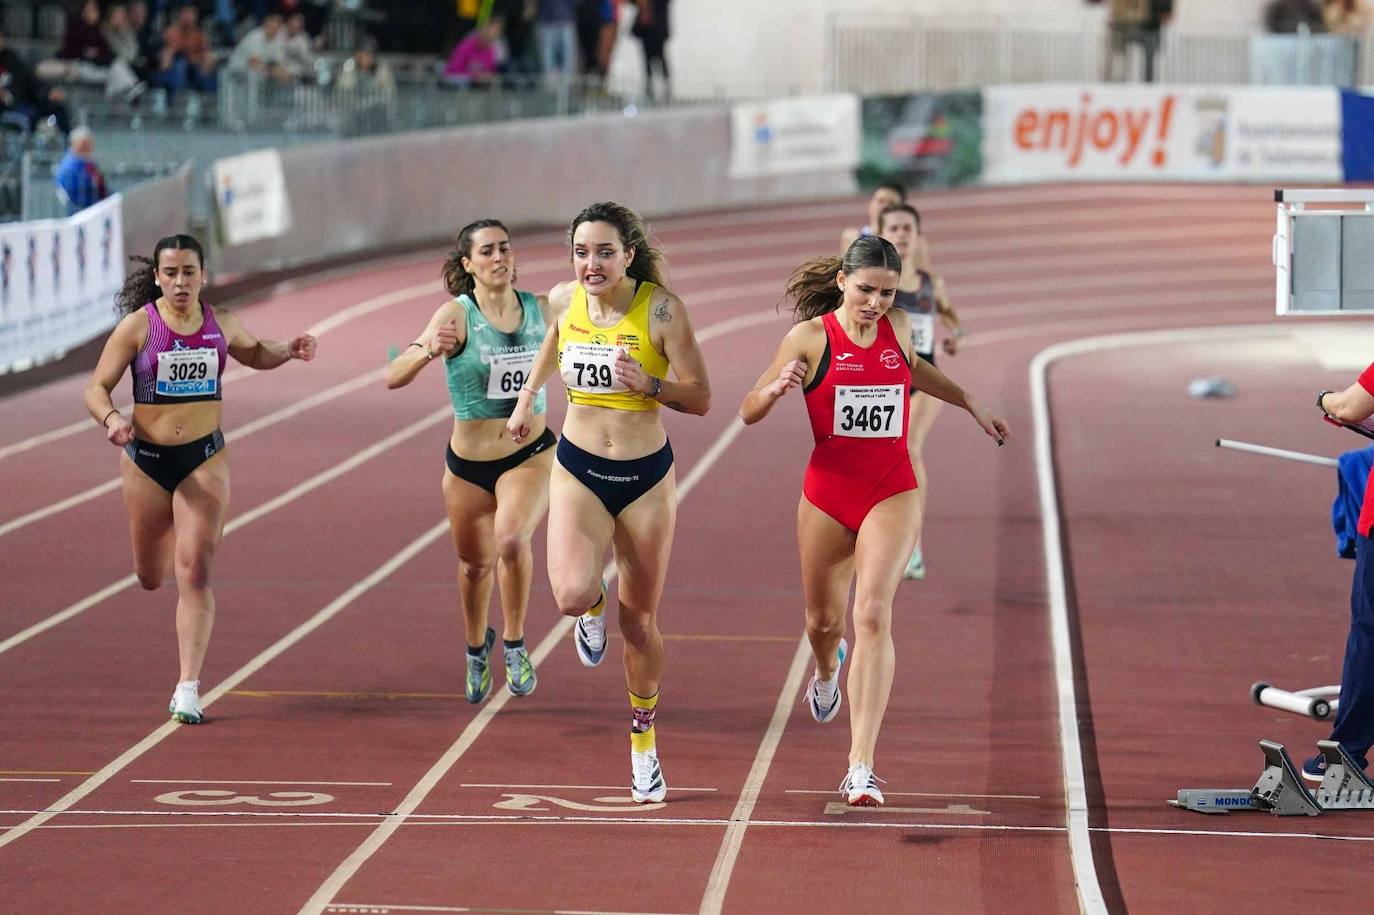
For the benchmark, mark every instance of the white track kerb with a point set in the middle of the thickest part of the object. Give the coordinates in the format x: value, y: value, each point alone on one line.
x: 1085, y: 870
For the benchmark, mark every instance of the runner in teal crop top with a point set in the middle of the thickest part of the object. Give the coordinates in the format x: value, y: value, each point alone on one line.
x: 487, y: 370
x: 495, y: 490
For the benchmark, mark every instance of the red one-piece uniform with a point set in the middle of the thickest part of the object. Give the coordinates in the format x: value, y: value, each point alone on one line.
x: 858, y: 405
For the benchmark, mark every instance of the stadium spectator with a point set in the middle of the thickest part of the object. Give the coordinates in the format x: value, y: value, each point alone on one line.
x: 651, y: 28
x: 122, y: 37
x: 25, y: 100
x: 262, y: 52
x: 596, y: 32
x: 477, y: 58
x: 186, y: 58
x: 1135, y: 23
x: 1284, y: 17
x: 84, y: 55
x: 365, y: 73
x: 78, y: 177
x: 557, y: 35
x: 300, y: 47
x: 521, y: 58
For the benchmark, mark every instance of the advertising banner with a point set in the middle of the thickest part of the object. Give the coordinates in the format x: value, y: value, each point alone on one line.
x: 786, y: 136
x: 250, y: 197
x: 927, y: 139
x: 58, y: 281
x: 1160, y: 133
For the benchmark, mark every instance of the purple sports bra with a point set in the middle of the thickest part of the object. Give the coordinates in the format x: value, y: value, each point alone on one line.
x: 171, y: 368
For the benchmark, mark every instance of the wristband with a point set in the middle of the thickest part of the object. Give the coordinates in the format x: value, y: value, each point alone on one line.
x: 529, y: 390
x: 655, y: 387
x: 1321, y: 397
x: 107, y: 416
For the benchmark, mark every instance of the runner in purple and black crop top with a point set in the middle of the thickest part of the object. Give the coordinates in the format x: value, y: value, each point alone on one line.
x: 175, y: 368
x: 174, y: 468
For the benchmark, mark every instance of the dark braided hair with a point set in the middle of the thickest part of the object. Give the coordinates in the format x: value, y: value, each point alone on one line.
x: 812, y: 287
x: 648, y: 263
x: 140, y: 287
x: 457, y: 280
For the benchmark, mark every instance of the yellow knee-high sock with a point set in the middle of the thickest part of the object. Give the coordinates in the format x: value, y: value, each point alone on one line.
x: 642, y: 728
x: 599, y: 607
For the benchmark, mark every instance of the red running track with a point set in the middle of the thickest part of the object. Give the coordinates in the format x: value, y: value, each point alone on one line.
x: 342, y: 770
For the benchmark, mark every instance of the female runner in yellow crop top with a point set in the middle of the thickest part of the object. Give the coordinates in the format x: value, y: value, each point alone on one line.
x: 617, y: 333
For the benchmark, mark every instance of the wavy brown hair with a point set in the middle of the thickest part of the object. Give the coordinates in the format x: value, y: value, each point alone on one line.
x: 648, y: 264
x: 813, y: 289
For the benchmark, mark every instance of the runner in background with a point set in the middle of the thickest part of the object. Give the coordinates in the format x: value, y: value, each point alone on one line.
x: 887, y: 194
x: 495, y: 491
x: 921, y: 294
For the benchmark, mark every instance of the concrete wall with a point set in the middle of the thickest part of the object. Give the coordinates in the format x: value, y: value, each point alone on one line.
x: 384, y: 192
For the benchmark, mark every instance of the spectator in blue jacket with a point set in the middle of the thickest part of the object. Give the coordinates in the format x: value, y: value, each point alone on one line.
x: 78, y: 176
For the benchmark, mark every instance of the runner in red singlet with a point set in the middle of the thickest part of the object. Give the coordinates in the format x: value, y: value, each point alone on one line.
x: 858, y: 514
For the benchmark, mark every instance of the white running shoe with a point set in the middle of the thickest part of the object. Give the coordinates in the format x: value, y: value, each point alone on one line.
x: 860, y: 787
x: 648, y: 785
x: 589, y: 634
x: 185, y: 704
x: 823, y: 697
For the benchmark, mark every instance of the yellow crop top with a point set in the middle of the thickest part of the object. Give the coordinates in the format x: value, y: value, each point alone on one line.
x: 586, y: 353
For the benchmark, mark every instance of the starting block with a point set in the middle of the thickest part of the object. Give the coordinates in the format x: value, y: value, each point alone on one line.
x: 1280, y: 789
x: 1345, y: 786
x: 1318, y: 702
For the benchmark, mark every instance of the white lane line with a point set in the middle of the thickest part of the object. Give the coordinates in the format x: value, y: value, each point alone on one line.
x: 381, y: 908
x: 1070, y: 742
x: 1005, y: 797
x: 46, y: 780
x: 234, y: 679
x: 728, y: 854
x: 217, y: 781
x: 257, y: 425
x: 291, y: 495
x: 350, y: 866
x: 882, y: 819
x: 574, y: 787
x: 468, y: 822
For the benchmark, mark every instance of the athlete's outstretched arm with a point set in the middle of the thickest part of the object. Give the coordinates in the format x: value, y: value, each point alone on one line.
x: 120, y: 350
x: 262, y: 354
x: 441, y: 337
x: 792, y: 367
x: 689, y: 391
x: 545, y: 361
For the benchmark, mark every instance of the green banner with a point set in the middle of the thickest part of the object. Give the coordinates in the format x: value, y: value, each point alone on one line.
x: 928, y: 140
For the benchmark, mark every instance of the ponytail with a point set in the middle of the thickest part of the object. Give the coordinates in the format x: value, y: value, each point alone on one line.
x: 813, y: 287
x: 140, y: 287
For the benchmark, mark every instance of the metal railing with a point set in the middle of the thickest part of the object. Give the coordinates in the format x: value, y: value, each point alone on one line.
x: 893, y: 54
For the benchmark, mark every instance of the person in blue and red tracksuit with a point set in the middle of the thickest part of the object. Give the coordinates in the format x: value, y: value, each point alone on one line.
x: 1354, y: 727
x: 850, y: 352
x: 174, y: 466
